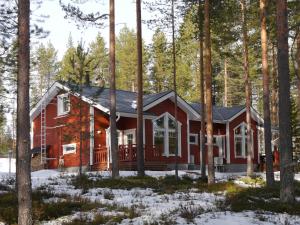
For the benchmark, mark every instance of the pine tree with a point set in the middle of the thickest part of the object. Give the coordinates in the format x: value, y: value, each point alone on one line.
x: 112, y: 69
x: 160, y: 67
x: 126, y: 60
x: 208, y: 91
x: 266, y: 100
x: 99, y: 65
x: 23, y: 119
x: 285, y: 135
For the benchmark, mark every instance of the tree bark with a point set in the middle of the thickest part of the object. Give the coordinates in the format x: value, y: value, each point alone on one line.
x: 266, y: 94
x: 274, y: 90
x: 23, y: 119
x: 140, y: 147
x: 298, y: 71
x: 250, y: 168
x: 225, y: 84
x: 202, y: 113
x: 175, y: 90
x: 208, y: 86
x: 285, y: 133
x: 112, y: 67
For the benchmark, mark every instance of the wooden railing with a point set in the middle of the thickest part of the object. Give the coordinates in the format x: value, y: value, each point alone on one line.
x: 100, y: 155
x: 127, y: 153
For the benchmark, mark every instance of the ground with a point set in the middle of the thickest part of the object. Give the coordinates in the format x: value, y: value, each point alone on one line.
x: 96, y: 199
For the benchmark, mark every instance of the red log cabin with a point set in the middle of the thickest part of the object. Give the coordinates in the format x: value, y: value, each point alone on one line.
x: 64, y: 116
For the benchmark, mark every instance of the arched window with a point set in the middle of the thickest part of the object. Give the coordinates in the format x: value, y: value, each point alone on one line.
x: 240, y: 141
x: 164, y: 134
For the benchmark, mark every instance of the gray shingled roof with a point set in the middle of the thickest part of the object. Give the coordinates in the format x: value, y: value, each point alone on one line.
x: 219, y: 112
x: 126, y: 101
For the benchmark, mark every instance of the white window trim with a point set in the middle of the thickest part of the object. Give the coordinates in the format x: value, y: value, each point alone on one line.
x: 129, y: 131
x: 69, y: 145
x: 244, y: 139
x: 166, y: 134
x: 60, y: 106
x: 196, y: 139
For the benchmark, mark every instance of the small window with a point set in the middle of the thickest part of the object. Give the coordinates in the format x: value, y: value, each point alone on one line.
x: 214, y: 140
x: 194, y: 139
x: 63, y: 104
x: 69, y: 148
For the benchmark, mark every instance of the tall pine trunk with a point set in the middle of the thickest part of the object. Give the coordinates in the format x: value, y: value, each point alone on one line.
x: 298, y: 71
x: 247, y: 90
x: 225, y: 84
x: 208, y: 87
x: 266, y: 94
x: 285, y: 133
x: 112, y: 68
x: 175, y: 89
x: 139, y: 142
x: 274, y: 89
x: 202, y: 113
x: 23, y: 119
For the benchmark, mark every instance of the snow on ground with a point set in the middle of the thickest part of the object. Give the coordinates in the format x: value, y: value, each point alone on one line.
x: 4, y: 165
x: 152, y: 206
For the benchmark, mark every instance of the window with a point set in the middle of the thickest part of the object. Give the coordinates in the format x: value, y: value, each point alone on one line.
x: 164, y: 134
x: 193, y: 139
x: 214, y: 140
x: 69, y: 148
x: 63, y: 104
x: 129, y: 137
x: 240, y: 141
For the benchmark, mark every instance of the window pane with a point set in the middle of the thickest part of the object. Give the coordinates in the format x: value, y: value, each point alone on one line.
x: 159, y: 138
x: 172, y: 142
x: 66, y: 104
x: 171, y: 123
x: 238, y: 146
x: 129, y: 139
x: 159, y: 123
x: 238, y: 130
x: 192, y: 139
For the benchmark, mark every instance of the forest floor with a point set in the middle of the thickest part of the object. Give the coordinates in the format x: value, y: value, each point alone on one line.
x: 158, y: 198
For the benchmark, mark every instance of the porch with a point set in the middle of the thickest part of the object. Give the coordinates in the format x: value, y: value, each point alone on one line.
x: 153, y: 158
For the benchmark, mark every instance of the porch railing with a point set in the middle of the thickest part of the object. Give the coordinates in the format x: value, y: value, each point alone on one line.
x: 100, y: 155
x: 127, y: 153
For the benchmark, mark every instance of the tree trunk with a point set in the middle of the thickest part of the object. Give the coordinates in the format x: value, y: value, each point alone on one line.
x: 298, y: 71
x: 266, y: 94
x: 225, y: 84
x: 23, y: 119
x: 208, y: 86
x: 247, y: 91
x: 274, y: 90
x: 285, y: 133
x: 112, y: 65
x: 175, y: 90
x: 202, y: 113
x: 140, y: 147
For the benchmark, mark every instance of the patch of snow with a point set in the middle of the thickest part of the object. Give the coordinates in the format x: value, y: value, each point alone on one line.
x: 4, y: 165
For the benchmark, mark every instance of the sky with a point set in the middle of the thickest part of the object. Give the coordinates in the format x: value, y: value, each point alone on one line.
x: 60, y: 28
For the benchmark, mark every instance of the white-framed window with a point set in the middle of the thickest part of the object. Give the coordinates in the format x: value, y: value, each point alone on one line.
x: 240, y: 141
x: 193, y: 139
x: 69, y: 148
x: 164, y: 134
x: 63, y: 104
x: 129, y: 137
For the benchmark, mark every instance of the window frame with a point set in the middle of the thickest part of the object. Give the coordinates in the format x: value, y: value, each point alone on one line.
x: 128, y: 132
x: 196, y: 139
x: 60, y: 104
x: 65, y: 152
x: 166, y: 130
x: 243, y: 136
